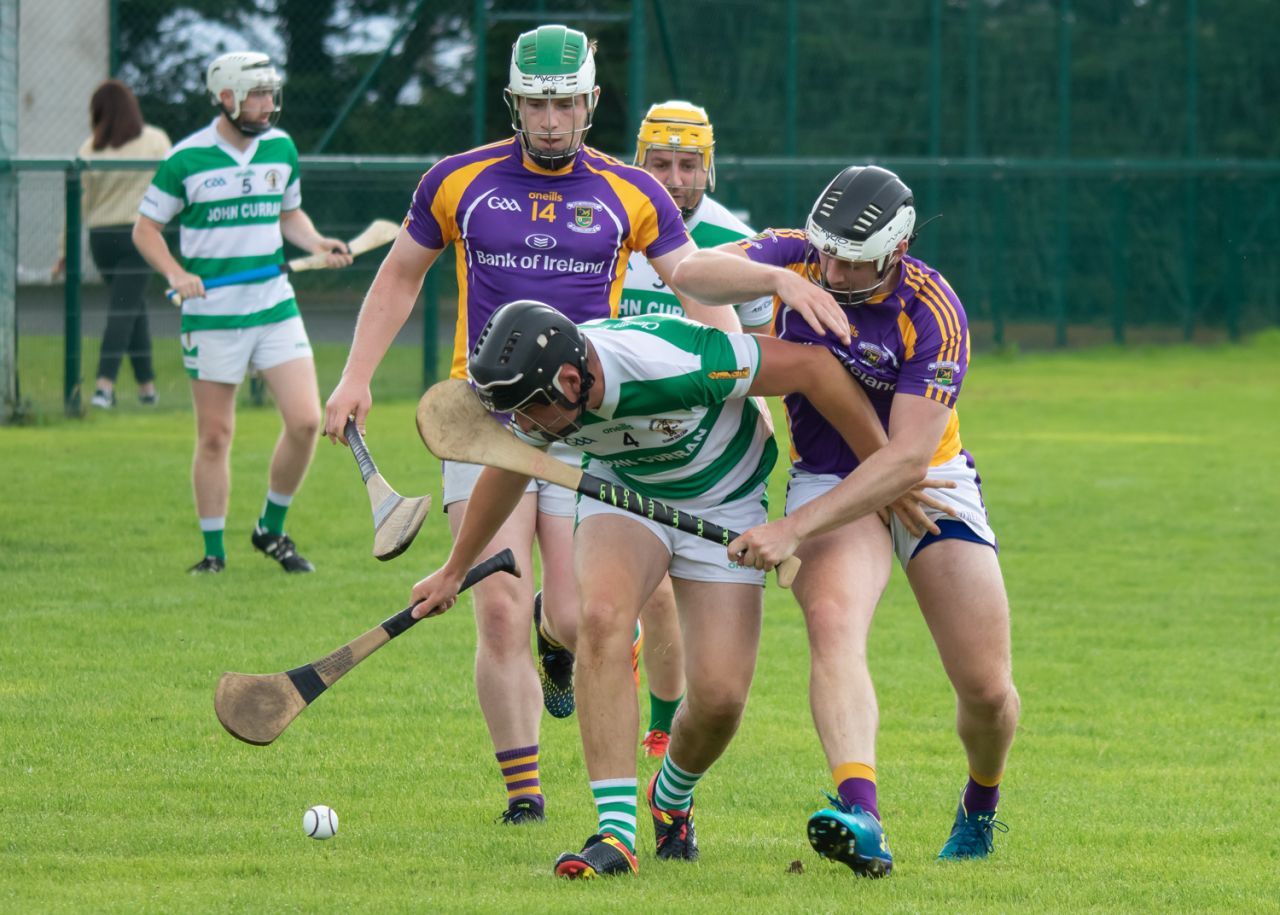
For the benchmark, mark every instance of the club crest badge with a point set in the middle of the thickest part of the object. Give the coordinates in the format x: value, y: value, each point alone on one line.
x: 584, y: 217
x: 875, y: 356
x: 669, y: 427
x: 944, y: 376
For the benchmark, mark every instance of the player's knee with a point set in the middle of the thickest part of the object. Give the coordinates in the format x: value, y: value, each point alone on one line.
x: 502, y: 627
x: 990, y: 697
x: 214, y: 439
x: 304, y: 426
x: 718, y: 707
x: 602, y: 619
x: 836, y: 629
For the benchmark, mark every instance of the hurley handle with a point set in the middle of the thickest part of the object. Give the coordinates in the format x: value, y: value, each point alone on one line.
x: 498, y: 562
x: 356, y: 441
x: 640, y: 504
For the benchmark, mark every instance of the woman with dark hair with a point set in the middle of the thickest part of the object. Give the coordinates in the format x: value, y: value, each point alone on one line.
x: 110, y: 205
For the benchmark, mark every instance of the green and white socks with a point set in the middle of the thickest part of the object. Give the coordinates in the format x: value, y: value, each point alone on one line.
x: 616, y: 809
x: 212, y: 529
x: 273, y: 512
x: 673, y: 789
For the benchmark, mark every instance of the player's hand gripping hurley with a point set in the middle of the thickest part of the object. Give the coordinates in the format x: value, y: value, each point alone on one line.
x: 378, y: 233
x: 256, y: 708
x: 455, y: 426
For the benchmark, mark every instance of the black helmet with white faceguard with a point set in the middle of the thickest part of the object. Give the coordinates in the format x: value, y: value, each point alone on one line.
x: 864, y: 214
x: 518, y: 356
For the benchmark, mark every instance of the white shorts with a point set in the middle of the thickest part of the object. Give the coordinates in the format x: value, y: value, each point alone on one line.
x: 226, y: 355
x: 693, y: 558
x: 460, y: 479
x: 966, y: 499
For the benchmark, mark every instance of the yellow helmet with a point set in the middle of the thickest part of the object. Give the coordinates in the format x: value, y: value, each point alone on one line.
x: 681, y: 126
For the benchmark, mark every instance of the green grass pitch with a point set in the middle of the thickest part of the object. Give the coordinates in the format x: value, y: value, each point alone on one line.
x: 1135, y: 493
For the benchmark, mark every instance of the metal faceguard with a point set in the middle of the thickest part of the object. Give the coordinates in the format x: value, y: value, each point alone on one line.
x: 862, y: 215
x: 243, y: 72
x: 680, y: 127
x: 551, y: 62
x: 518, y: 356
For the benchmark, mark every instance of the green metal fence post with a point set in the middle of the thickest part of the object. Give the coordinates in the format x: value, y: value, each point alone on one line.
x: 1119, y: 257
x: 1191, y: 228
x: 935, y: 118
x: 480, y: 41
x: 790, y: 113
x: 1000, y: 297
x: 668, y: 49
x: 71, y: 296
x: 984, y: 284
x: 479, y: 36
x: 1233, y: 291
x: 637, y: 69
x: 358, y: 92
x: 1062, y: 248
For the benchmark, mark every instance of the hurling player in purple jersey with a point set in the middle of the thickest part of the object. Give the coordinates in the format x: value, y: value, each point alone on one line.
x: 539, y: 214
x: 909, y: 348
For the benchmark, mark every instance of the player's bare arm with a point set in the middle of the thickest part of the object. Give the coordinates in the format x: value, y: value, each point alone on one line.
x: 725, y: 275
x: 811, y: 371
x: 386, y: 307
x: 889, y: 473
x: 298, y: 229
x: 495, y: 497
x: 712, y: 315
x: 844, y: 404
x: 916, y: 425
x: 148, y: 238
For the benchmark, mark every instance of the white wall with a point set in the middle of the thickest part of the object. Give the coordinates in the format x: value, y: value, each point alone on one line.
x: 63, y: 53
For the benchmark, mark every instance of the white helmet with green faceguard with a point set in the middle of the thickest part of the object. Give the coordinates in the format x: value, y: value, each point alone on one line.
x: 551, y: 62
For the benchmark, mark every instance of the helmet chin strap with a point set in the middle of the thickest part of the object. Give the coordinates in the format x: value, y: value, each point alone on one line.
x: 245, y: 131
x: 584, y: 394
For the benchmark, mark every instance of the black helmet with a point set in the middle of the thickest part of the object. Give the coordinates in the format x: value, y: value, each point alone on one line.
x: 518, y: 355
x: 863, y: 214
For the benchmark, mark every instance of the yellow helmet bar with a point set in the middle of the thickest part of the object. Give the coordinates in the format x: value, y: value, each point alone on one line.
x: 681, y: 126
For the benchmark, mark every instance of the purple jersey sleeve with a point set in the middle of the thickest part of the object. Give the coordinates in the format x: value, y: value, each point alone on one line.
x: 786, y: 248
x: 666, y: 232
x: 935, y: 336
x: 423, y: 222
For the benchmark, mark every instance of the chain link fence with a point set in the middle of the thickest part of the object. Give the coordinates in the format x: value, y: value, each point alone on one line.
x: 1104, y: 170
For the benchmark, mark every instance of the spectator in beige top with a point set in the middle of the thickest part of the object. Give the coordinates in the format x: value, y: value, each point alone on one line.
x: 110, y: 204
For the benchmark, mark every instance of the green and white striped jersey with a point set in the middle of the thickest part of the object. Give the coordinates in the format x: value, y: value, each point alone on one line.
x: 644, y: 292
x: 228, y: 205
x: 676, y: 422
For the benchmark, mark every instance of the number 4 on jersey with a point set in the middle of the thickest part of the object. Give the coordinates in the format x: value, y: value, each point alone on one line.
x: 629, y: 439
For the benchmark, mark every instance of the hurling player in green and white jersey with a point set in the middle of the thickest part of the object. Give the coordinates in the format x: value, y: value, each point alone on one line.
x: 676, y: 144
x: 234, y: 189
x: 667, y: 407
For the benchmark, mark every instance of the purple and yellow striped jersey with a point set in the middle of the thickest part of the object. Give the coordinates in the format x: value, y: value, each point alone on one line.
x: 522, y: 232
x: 912, y: 340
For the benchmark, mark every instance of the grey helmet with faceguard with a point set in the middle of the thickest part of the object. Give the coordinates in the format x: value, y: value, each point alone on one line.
x: 863, y: 215
x: 517, y: 359
x: 243, y: 72
x: 551, y: 62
